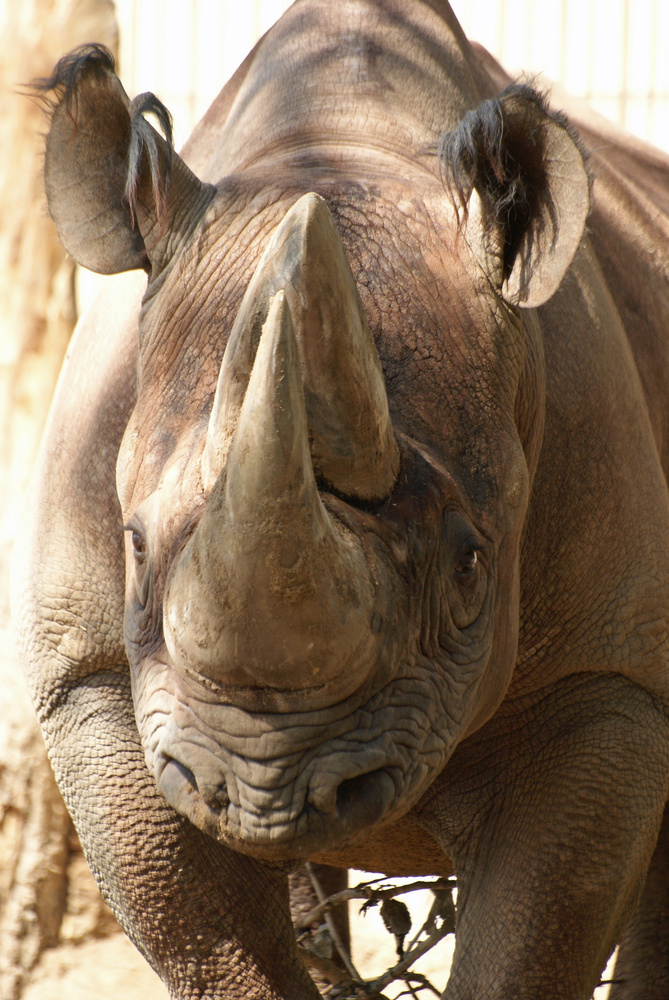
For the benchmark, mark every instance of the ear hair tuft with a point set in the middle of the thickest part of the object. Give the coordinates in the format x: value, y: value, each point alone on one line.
x: 143, y: 137
x: 90, y: 58
x: 499, y: 150
x: 64, y: 82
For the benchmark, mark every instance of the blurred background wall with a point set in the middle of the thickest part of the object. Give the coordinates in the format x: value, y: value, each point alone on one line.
x: 612, y: 53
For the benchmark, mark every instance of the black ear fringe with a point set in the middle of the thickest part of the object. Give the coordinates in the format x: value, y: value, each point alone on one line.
x: 502, y: 156
x: 142, y: 137
x: 63, y: 84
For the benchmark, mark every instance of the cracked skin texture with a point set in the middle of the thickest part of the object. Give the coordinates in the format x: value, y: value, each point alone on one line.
x: 544, y: 780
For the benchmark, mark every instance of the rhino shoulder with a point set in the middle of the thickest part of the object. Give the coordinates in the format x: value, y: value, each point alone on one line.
x: 68, y: 577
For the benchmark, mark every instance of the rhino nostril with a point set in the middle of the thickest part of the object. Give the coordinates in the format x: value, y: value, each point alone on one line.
x: 332, y: 798
x: 177, y: 782
x: 366, y: 794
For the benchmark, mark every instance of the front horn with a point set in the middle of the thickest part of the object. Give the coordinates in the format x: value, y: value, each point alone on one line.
x: 271, y: 590
x: 351, y: 439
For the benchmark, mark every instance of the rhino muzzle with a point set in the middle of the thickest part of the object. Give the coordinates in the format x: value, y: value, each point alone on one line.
x: 294, y: 826
x: 274, y: 590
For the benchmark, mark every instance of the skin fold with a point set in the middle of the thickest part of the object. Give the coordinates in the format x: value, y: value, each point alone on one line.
x: 347, y: 539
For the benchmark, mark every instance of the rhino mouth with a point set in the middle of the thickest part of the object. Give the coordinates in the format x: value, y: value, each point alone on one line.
x: 283, y: 785
x: 359, y: 802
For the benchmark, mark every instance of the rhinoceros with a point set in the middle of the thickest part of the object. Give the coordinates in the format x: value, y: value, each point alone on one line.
x: 348, y: 539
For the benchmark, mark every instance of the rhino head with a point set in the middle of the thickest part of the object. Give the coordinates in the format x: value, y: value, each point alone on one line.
x: 322, y: 561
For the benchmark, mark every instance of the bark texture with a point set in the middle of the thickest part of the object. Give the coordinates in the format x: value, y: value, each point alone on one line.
x: 47, y: 894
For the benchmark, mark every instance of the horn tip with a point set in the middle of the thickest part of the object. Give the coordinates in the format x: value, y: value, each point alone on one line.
x: 279, y: 316
x: 311, y: 208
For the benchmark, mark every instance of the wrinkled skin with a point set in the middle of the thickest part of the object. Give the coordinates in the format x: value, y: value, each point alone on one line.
x: 393, y: 588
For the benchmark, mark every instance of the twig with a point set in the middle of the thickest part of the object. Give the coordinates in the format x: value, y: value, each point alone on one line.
x: 352, y: 986
x: 442, y: 906
x: 334, y: 933
x: 425, y: 983
x: 362, y: 891
x: 330, y: 970
x: 398, y: 971
x: 372, y: 987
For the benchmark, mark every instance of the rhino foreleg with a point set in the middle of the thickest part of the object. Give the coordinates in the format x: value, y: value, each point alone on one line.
x: 213, y: 923
x: 550, y: 814
x: 642, y: 968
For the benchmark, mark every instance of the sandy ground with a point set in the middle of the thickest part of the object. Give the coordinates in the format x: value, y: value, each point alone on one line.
x: 111, y: 968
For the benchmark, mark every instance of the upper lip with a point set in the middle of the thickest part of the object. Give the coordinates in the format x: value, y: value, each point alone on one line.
x: 348, y: 807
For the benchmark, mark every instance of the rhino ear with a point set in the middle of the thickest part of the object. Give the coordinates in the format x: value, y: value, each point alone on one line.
x: 114, y: 185
x: 520, y: 184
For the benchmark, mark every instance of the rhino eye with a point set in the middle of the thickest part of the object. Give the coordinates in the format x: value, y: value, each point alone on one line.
x: 465, y: 563
x: 138, y: 546
x: 466, y: 583
x: 143, y: 574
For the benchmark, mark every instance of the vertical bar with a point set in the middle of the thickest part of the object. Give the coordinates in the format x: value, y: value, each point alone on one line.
x: 502, y: 34
x: 192, y: 76
x: 160, y: 29
x: 563, y: 43
x: 590, y: 90
x: 624, y: 56
x: 653, y: 88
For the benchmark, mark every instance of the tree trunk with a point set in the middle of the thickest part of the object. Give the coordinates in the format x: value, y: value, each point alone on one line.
x: 46, y: 892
